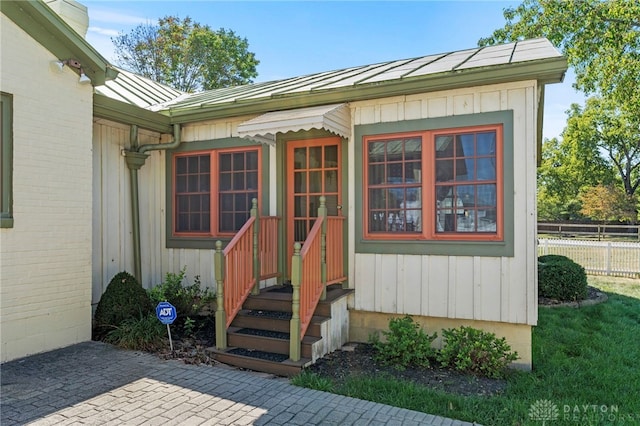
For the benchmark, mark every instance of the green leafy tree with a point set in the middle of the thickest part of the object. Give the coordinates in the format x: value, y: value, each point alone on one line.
x: 567, y: 167
x: 609, y: 132
x: 607, y: 203
x: 601, y: 40
x: 186, y: 55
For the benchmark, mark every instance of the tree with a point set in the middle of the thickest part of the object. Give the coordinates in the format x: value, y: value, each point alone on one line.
x: 568, y: 166
x: 186, y: 55
x: 602, y: 127
x: 608, y: 203
x: 601, y: 40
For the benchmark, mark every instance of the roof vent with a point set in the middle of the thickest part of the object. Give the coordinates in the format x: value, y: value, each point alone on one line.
x: 73, y: 13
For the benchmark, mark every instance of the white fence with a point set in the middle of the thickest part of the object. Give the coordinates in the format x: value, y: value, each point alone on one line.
x: 620, y: 259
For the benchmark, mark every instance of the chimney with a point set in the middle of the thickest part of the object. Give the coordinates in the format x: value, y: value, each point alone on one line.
x: 73, y: 13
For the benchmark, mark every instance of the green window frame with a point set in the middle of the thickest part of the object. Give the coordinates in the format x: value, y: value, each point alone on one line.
x: 427, y: 239
x: 210, y: 185
x: 6, y: 161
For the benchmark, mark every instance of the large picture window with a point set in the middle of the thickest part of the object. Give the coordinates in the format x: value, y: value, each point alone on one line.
x: 438, y: 185
x: 213, y: 191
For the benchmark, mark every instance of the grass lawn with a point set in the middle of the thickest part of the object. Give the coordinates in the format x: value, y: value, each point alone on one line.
x: 586, y: 364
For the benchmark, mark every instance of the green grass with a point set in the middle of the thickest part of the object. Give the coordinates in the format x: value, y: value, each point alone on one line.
x: 582, y: 358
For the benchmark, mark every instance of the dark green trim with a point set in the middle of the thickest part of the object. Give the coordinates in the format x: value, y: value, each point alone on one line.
x: 450, y: 248
x: 121, y: 112
x: 6, y: 158
x: 208, y: 242
x: 54, y: 34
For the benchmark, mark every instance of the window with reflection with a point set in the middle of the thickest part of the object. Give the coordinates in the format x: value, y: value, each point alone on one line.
x: 434, y: 184
x: 213, y: 191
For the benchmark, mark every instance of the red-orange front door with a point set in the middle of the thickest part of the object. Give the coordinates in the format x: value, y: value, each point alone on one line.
x: 313, y: 170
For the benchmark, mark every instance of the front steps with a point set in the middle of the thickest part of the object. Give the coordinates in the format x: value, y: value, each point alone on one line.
x: 258, y: 338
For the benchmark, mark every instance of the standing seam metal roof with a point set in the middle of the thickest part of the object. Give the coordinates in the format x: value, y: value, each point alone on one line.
x: 133, y: 89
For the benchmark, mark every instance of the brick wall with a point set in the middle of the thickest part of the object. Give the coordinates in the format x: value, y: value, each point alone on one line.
x: 45, y: 259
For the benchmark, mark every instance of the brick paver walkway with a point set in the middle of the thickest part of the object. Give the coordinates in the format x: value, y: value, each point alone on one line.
x: 95, y: 383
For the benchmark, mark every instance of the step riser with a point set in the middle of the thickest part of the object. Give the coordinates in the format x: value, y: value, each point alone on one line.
x: 271, y: 324
x: 255, y: 364
x: 265, y: 344
x: 263, y: 304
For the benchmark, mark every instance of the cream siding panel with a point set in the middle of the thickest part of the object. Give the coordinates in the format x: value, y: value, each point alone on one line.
x: 478, y: 288
x: 462, y: 272
x: 437, y: 107
x: 413, y: 109
x: 390, y: 112
x: 487, y: 288
x: 463, y: 104
x: 410, y: 289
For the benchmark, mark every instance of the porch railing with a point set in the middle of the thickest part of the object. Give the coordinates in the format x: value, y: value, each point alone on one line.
x: 241, y: 265
x: 314, y: 265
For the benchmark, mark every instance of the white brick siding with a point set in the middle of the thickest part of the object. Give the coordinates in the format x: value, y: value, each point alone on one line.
x: 45, y: 259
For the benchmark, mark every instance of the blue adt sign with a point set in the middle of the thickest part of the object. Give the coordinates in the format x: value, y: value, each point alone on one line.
x: 166, y: 312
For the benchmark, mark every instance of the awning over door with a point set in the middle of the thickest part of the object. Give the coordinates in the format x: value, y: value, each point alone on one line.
x: 333, y: 118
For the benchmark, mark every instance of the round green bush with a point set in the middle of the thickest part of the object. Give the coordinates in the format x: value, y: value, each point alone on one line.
x: 123, y: 299
x: 561, y: 278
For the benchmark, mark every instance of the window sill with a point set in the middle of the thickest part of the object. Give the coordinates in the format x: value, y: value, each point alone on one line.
x: 6, y: 222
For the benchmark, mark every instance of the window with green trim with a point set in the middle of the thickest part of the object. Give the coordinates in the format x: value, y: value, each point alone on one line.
x: 212, y: 190
x: 6, y: 161
x: 434, y: 185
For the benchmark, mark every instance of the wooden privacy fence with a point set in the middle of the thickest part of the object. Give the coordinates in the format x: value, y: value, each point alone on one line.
x: 620, y: 259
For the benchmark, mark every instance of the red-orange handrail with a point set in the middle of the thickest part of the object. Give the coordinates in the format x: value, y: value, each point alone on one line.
x: 311, y: 286
x: 268, y: 246
x: 239, y: 278
x: 334, y: 253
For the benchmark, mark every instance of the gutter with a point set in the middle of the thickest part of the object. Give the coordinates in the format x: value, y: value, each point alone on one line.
x: 135, y: 158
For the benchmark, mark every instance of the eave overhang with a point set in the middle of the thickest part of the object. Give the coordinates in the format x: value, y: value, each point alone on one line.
x: 129, y: 114
x: 48, y: 29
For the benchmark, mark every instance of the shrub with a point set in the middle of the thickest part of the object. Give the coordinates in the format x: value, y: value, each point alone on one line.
x: 406, y: 344
x: 470, y: 350
x: 561, y: 278
x: 123, y: 299
x: 144, y: 333
x: 188, y: 300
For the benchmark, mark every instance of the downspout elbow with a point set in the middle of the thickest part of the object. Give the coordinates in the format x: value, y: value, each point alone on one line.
x: 163, y: 146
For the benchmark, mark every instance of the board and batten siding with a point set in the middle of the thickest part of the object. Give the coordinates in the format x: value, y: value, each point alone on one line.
x: 112, y: 232
x: 499, y: 289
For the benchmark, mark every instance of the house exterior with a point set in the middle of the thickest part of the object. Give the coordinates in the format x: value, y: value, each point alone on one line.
x: 423, y: 171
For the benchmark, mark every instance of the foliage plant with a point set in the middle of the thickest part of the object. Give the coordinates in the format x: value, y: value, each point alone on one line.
x: 561, y: 278
x: 123, y: 299
x: 601, y: 41
x: 406, y: 344
x: 186, y: 55
x: 470, y: 350
x: 144, y: 333
x: 188, y: 300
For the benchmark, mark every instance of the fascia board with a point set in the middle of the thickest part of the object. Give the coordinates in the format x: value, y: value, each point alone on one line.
x: 111, y: 109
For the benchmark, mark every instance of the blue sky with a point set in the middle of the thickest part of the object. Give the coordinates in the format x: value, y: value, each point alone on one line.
x: 292, y: 38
